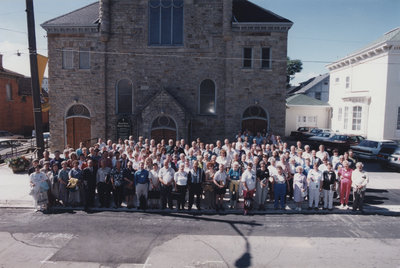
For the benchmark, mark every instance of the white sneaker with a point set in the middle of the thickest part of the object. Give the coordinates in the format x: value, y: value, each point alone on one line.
x: 346, y: 207
x: 341, y: 206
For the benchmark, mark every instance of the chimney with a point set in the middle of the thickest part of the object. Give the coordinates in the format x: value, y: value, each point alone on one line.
x: 227, y: 19
x: 104, y: 13
x: 1, y: 61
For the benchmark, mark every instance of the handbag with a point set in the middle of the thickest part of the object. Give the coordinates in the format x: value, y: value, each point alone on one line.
x: 304, y: 194
x: 44, y: 186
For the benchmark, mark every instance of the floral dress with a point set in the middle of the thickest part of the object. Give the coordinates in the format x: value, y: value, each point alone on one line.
x: 299, y: 184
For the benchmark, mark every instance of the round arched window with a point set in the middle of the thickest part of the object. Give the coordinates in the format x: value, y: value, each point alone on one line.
x: 78, y: 110
x: 163, y: 122
x: 254, y: 111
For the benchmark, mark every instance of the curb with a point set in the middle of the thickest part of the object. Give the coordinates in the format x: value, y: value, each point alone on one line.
x: 195, y: 212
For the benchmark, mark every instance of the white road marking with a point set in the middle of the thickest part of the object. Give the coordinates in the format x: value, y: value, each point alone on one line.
x: 46, y: 260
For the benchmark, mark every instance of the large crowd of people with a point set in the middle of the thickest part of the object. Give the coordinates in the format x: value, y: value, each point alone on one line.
x: 144, y: 174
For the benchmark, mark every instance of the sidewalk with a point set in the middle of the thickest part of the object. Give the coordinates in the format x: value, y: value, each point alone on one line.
x: 383, y: 197
x: 14, y: 189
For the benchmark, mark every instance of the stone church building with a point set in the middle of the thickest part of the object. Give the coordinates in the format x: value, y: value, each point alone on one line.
x: 166, y: 69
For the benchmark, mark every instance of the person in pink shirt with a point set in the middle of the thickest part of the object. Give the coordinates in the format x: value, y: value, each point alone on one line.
x: 345, y: 174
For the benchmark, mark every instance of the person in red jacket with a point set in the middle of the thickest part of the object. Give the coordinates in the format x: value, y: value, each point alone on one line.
x: 345, y: 184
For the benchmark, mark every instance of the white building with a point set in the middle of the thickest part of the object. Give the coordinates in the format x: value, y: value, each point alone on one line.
x: 305, y: 111
x: 365, y: 90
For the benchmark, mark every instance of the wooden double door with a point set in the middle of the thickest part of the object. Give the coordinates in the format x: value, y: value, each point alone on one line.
x: 164, y: 133
x: 78, y: 130
x: 254, y: 125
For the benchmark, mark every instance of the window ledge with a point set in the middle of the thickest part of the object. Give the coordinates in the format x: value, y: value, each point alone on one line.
x: 165, y: 46
x: 208, y: 115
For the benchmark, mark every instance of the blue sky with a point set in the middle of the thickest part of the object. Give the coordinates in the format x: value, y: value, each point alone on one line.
x: 323, y: 30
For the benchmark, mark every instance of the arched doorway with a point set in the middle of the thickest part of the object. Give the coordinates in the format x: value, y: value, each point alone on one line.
x: 78, y: 125
x: 255, y: 119
x: 163, y: 127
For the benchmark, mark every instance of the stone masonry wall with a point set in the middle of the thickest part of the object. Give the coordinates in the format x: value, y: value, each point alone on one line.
x: 75, y: 86
x: 180, y: 69
x: 210, y: 51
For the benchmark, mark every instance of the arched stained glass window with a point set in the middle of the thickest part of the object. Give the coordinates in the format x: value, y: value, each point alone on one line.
x: 207, y: 97
x: 254, y: 112
x: 78, y: 110
x: 124, y: 97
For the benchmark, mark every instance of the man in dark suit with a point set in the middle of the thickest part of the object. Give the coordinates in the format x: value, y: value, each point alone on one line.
x: 89, y: 184
x: 196, y: 178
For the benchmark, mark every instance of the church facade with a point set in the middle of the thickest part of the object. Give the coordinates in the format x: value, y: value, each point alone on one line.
x: 166, y: 69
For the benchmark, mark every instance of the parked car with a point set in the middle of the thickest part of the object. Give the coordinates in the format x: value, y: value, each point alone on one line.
x: 394, y: 159
x: 342, y: 142
x: 299, y: 133
x: 374, y: 149
x: 318, y: 139
x: 46, y: 139
x: 8, y: 135
x: 304, y: 133
x: 312, y: 133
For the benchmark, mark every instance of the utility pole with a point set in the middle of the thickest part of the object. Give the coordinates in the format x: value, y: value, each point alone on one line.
x: 37, y: 105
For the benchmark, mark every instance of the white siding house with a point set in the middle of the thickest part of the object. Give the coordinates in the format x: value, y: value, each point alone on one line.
x: 305, y: 111
x: 365, y: 90
x: 316, y: 87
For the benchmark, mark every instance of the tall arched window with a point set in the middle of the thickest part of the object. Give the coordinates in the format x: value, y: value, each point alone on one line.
x: 207, y: 97
x: 166, y: 22
x: 124, y: 97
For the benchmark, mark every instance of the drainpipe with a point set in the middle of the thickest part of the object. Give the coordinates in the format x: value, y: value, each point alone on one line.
x: 104, y: 13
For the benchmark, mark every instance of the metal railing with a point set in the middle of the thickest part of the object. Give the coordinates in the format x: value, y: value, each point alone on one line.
x: 18, y: 147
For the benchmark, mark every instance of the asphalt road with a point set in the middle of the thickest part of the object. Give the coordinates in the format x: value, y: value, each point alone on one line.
x: 137, y: 239
x: 115, y: 238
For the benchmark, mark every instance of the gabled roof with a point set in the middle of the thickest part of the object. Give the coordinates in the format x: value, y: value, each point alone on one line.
x: 25, y: 87
x: 392, y: 35
x: 166, y: 91
x: 84, y: 17
x: 375, y: 48
x: 4, y: 71
x: 303, y: 100
x: 246, y: 11
x: 307, y: 85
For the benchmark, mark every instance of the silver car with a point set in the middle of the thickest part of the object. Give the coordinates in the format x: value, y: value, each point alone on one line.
x: 394, y: 160
x: 374, y: 149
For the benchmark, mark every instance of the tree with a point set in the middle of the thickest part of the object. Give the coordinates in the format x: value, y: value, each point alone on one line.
x: 293, y: 67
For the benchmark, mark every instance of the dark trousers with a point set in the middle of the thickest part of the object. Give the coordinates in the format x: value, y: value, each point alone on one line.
x: 280, y: 194
x: 103, y: 189
x: 290, y: 188
x: 118, y: 195
x: 358, y: 200
x: 181, y: 189
x: 166, y: 196
x: 89, y: 196
x: 195, y: 190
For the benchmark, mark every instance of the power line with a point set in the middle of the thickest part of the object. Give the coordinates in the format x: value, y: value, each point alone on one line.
x: 194, y: 57
x: 11, y: 30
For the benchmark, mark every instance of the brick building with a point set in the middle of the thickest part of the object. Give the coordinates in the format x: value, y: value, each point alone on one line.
x: 172, y: 69
x: 16, y: 106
